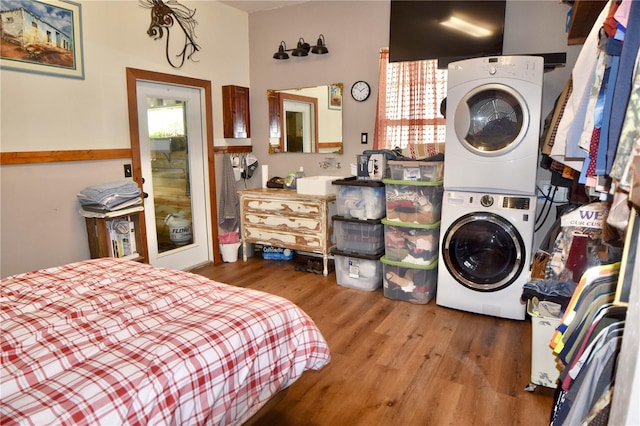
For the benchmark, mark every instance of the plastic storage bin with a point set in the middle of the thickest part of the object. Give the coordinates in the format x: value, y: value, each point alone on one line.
x: 544, y: 370
x: 413, y: 201
x: 404, y: 170
x: 361, y: 272
x: 411, y: 242
x: 425, y: 171
x: 411, y: 283
x: 431, y: 171
x: 360, y: 199
x: 358, y: 236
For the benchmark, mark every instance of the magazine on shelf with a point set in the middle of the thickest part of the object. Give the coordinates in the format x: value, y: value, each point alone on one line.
x: 122, y: 238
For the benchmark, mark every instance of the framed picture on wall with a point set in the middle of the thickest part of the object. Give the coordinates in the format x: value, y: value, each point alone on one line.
x: 335, y: 96
x: 42, y: 36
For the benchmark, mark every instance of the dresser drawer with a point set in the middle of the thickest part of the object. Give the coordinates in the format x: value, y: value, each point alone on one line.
x: 284, y: 238
x: 277, y: 221
x: 281, y: 206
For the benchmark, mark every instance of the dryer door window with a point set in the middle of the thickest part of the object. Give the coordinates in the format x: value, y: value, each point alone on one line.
x: 491, y: 120
x: 483, y: 251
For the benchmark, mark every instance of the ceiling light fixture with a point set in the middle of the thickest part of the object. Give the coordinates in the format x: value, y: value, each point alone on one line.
x: 302, y: 49
x: 466, y: 27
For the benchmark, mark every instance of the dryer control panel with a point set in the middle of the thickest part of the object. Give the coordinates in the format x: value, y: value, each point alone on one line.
x: 519, y: 203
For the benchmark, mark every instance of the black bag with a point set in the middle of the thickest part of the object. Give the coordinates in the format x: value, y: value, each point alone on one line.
x: 275, y: 182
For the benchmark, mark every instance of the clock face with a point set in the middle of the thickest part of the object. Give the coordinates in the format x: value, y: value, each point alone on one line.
x: 360, y: 91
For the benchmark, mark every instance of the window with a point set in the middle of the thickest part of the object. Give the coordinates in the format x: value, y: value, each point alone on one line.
x: 409, y: 98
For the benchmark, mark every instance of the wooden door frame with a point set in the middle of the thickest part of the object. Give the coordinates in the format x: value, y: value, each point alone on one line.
x: 133, y: 76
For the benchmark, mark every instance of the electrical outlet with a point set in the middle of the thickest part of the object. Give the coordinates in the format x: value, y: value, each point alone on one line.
x: 127, y: 170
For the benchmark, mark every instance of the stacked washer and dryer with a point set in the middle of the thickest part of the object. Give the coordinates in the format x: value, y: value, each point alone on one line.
x: 489, y: 203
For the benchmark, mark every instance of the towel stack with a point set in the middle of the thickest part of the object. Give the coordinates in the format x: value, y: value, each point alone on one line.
x: 108, y: 198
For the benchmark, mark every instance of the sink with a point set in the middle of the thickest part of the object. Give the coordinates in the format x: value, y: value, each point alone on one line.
x: 316, y: 185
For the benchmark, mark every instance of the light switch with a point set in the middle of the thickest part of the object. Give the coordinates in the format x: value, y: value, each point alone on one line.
x: 363, y: 138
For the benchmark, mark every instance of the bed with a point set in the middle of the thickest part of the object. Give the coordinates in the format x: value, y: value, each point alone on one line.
x: 110, y: 341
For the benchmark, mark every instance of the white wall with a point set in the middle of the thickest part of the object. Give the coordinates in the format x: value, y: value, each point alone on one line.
x: 39, y: 223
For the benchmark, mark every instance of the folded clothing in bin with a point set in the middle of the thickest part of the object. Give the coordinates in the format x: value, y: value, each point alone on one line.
x: 360, y: 199
x: 411, y: 242
x: 413, y: 201
x: 407, y: 282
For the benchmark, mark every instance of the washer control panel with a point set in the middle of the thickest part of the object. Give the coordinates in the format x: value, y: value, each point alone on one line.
x: 518, y: 203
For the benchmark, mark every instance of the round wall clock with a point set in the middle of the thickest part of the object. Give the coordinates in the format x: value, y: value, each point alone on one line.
x: 360, y: 91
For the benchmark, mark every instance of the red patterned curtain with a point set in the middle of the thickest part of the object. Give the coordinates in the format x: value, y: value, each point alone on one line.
x: 408, y: 109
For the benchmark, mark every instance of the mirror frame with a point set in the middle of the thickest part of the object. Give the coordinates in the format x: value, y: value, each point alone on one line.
x: 276, y: 99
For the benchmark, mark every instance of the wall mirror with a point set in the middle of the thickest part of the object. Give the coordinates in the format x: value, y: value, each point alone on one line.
x: 306, y: 120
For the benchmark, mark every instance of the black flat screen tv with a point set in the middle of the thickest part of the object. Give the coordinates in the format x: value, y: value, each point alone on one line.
x: 416, y: 31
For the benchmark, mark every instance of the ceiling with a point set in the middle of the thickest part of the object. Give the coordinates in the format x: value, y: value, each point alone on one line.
x: 258, y: 5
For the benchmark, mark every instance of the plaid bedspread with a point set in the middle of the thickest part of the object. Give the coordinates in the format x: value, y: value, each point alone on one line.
x: 111, y: 342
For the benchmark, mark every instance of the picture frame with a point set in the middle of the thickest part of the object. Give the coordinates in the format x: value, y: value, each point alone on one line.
x: 45, y: 37
x: 335, y: 96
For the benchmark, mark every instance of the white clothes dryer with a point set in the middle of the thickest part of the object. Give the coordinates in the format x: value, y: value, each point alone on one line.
x: 485, y: 252
x: 493, y: 124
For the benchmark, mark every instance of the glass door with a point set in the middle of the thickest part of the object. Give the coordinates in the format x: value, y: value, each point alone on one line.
x: 173, y: 168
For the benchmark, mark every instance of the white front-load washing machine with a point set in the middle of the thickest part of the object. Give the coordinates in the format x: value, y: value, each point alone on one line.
x: 493, y: 124
x: 486, y: 241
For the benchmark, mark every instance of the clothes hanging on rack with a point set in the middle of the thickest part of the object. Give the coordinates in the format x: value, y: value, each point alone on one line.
x: 580, y: 295
x: 571, y: 124
x: 597, y: 133
x: 587, y: 342
x: 629, y: 140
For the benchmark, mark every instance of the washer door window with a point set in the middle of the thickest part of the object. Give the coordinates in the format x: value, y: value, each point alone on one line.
x: 483, y: 251
x: 491, y: 120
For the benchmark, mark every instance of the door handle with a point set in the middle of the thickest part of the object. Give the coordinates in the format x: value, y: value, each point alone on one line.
x: 144, y: 194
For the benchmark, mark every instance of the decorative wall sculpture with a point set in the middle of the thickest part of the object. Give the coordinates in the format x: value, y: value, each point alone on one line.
x: 163, y: 16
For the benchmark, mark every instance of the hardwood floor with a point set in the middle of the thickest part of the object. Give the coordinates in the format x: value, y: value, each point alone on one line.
x: 395, y: 363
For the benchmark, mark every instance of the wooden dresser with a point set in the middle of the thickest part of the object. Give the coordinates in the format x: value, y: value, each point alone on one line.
x: 284, y: 218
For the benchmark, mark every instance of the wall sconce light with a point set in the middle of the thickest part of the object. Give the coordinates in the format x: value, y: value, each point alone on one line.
x: 302, y: 49
x: 320, y: 47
